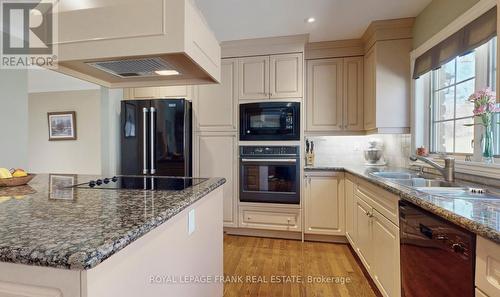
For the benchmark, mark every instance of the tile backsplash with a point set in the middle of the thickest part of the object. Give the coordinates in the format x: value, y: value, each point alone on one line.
x: 331, y: 150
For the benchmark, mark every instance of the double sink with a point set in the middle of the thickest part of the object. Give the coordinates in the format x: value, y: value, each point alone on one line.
x: 435, y: 186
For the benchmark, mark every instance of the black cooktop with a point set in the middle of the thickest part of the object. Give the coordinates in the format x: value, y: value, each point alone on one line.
x: 159, y: 183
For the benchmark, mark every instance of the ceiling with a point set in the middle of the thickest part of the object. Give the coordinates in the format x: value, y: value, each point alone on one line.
x: 335, y: 19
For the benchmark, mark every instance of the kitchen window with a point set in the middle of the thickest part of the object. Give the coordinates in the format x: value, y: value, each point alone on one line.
x: 445, y: 92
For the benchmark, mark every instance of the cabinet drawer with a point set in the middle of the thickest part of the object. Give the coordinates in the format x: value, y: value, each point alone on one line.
x: 384, y: 202
x: 271, y: 219
x: 488, y: 266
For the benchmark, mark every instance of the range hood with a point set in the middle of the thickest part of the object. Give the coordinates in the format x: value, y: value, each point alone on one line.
x: 131, y: 43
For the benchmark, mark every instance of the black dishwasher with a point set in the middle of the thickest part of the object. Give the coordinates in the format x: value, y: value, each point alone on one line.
x: 437, y: 257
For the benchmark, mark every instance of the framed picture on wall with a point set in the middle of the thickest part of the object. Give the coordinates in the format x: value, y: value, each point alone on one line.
x: 62, y: 125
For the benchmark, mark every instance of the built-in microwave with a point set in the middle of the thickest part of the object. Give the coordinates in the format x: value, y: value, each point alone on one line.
x: 270, y: 121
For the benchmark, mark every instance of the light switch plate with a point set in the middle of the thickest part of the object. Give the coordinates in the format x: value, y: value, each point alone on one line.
x: 191, y: 222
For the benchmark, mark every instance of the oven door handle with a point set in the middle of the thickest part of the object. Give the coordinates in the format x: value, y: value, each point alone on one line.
x: 270, y: 160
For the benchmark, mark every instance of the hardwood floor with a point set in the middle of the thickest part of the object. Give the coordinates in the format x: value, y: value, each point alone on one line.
x: 261, y: 262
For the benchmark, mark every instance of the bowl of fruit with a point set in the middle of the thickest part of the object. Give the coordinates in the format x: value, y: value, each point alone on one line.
x: 14, y: 177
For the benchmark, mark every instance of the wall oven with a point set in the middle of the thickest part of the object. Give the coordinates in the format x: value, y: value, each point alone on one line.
x: 270, y: 121
x: 270, y: 174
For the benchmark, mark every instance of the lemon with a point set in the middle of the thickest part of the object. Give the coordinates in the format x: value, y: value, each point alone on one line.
x: 5, y: 173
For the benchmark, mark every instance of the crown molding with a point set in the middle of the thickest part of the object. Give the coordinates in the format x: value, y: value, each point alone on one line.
x: 264, y: 46
x: 334, y: 49
x: 388, y: 30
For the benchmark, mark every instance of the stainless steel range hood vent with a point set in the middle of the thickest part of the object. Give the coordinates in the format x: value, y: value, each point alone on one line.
x: 133, y: 67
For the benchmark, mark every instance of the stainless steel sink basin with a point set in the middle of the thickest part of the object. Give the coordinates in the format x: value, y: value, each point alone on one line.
x: 458, y: 193
x: 412, y: 180
x: 431, y: 186
x: 393, y: 175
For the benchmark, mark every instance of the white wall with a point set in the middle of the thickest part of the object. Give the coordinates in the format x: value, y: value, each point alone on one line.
x: 13, y: 118
x: 339, y: 150
x: 82, y: 156
x: 42, y: 80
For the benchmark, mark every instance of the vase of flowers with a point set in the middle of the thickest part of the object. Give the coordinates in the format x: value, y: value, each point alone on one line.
x: 485, y: 107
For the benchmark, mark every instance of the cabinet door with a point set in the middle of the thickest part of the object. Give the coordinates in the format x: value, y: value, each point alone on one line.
x: 353, y: 94
x: 324, y: 206
x: 349, y: 210
x: 216, y: 156
x: 386, y: 255
x: 369, y: 90
x: 143, y: 93
x: 286, y: 76
x: 253, y: 78
x: 173, y: 92
x: 215, y: 106
x: 363, y: 232
x: 324, y: 95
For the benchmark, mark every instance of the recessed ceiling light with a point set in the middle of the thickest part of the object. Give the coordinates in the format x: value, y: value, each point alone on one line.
x: 310, y: 20
x: 167, y: 72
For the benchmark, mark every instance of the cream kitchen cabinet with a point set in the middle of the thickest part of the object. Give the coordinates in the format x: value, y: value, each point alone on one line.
x: 335, y: 95
x: 270, y: 218
x: 216, y: 155
x: 350, y: 207
x: 286, y: 78
x: 270, y: 77
x: 487, y: 267
x: 387, y: 86
x: 324, y: 203
x: 385, y: 245
x: 362, y: 228
x: 215, y: 106
x: 376, y: 236
x: 159, y: 92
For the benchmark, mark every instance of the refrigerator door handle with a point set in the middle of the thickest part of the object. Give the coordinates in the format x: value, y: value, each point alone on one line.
x: 144, y: 140
x: 153, y: 131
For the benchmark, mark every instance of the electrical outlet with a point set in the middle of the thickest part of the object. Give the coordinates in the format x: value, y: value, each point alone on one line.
x: 191, y: 222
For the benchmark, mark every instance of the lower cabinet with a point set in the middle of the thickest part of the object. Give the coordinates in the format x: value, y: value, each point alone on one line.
x: 270, y: 218
x: 487, y: 267
x: 350, y: 205
x: 362, y: 226
x: 324, y: 204
x: 216, y: 156
x: 376, y: 240
x: 385, y: 255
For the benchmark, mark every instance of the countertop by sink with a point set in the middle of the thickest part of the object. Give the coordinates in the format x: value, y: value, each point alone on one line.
x: 480, y: 216
x: 83, y: 227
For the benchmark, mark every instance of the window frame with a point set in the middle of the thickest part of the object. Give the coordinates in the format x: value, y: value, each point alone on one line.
x: 485, y: 66
x: 432, y: 100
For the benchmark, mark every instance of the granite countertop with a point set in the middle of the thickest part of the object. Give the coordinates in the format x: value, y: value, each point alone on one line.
x: 48, y: 225
x: 480, y: 216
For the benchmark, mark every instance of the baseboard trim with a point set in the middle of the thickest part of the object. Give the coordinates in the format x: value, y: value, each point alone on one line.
x: 285, y: 235
x: 263, y: 233
x: 325, y: 238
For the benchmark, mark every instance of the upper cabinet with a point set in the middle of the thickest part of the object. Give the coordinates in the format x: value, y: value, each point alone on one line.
x: 387, y: 86
x: 286, y: 76
x: 335, y: 95
x: 271, y: 77
x: 254, y: 78
x: 324, y: 95
x: 215, y: 106
x: 159, y: 92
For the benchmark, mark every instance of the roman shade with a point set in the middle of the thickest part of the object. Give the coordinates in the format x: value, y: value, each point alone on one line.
x: 465, y: 40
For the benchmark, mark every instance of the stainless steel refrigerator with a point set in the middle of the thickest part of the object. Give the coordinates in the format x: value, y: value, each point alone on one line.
x: 156, y: 137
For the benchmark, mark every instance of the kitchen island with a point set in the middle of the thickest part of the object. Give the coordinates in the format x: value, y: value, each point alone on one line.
x: 61, y: 241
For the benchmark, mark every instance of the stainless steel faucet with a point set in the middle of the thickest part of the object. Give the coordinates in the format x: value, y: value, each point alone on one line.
x: 448, y: 171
